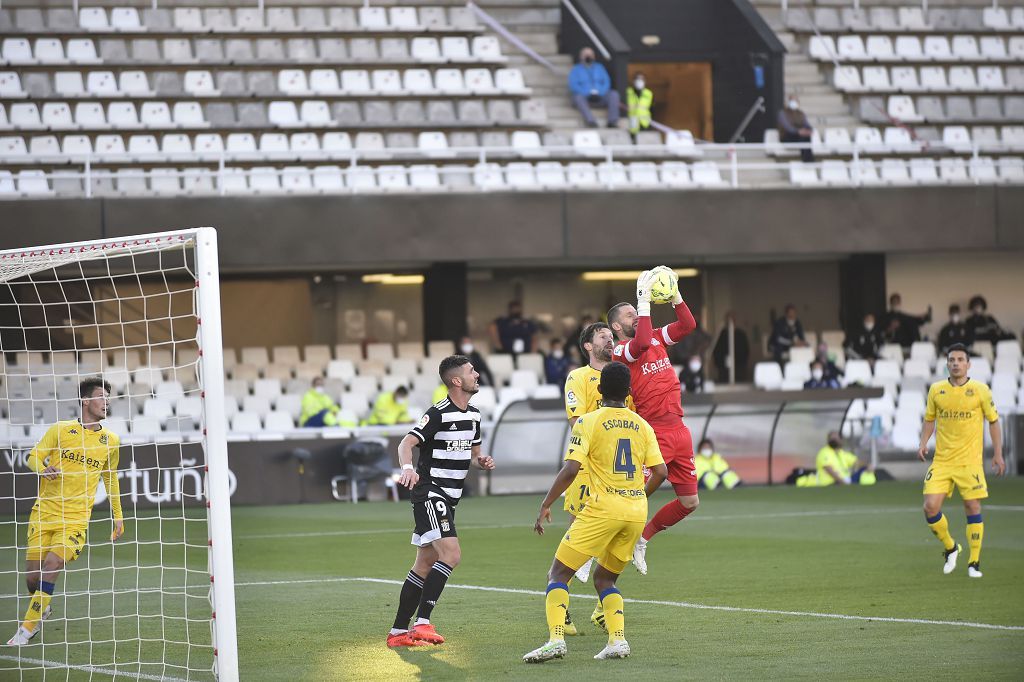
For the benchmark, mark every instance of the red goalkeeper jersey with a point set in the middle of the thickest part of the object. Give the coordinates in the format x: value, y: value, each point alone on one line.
x: 654, y: 384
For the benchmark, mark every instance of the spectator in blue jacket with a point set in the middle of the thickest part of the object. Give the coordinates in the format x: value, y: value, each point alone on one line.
x: 589, y: 84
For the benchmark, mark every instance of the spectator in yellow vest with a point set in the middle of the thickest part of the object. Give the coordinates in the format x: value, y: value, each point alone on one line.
x: 441, y: 392
x: 318, y: 408
x: 712, y: 469
x: 837, y: 466
x: 390, y: 408
x: 638, y: 103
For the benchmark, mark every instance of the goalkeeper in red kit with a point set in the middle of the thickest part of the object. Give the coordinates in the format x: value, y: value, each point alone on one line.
x: 655, y: 390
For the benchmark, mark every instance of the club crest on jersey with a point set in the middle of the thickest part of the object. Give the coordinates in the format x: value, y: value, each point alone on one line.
x: 969, y: 393
x: 103, y: 439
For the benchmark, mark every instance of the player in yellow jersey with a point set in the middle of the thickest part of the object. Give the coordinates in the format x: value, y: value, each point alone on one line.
x: 615, y: 444
x: 582, y: 396
x: 955, y: 410
x: 70, y: 460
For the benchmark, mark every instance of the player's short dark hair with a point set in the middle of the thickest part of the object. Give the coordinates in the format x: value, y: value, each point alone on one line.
x: 613, y: 312
x: 615, y: 382
x: 958, y: 347
x: 90, y: 384
x: 449, y: 366
x: 587, y: 335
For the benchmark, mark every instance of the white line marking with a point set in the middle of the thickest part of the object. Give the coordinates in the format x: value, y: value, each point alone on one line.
x: 658, y: 602
x: 90, y: 669
x: 527, y: 525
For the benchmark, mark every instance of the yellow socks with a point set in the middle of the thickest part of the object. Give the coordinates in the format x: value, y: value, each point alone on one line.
x: 611, y: 600
x: 940, y: 526
x: 975, y: 533
x: 556, y: 605
x: 36, y: 607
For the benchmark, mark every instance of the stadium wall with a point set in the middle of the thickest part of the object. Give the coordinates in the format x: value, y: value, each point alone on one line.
x: 264, y: 234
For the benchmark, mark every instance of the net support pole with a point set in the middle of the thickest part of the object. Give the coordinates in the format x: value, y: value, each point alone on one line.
x: 222, y: 574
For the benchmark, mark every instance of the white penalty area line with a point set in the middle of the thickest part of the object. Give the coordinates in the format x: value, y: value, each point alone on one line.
x: 92, y: 669
x: 658, y: 602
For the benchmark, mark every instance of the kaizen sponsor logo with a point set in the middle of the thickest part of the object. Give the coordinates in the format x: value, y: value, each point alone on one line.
x: 656, y: 366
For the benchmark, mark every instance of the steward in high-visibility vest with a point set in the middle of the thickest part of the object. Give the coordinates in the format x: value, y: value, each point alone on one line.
x: 390, y: 409
x: 638, y: 103
x: 318, y: 408
x: 711, y: 468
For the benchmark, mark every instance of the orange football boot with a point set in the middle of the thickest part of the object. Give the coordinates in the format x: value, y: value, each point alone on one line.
x: 426, y: 633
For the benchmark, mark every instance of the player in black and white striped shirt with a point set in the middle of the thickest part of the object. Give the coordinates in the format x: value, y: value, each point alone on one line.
x: 448, y: 436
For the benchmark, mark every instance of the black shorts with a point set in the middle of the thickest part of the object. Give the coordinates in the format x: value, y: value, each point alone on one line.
x: 434, y: 519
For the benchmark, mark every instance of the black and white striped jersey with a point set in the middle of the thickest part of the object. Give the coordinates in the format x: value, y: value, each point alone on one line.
x: 447, y: 436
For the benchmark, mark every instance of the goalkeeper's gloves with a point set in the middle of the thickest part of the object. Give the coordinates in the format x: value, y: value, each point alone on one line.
x: 675, y: 282
x: 643, y: 294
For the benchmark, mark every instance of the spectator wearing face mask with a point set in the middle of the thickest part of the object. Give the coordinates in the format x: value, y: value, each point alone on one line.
x: 828, y: 362
x: 794, y: 127
x: 589, y: 84
x: 712, y: 469
x: 900, y: 327
x: 836, y: 466
x: 467, y: 348
x: 638, y: 103
x: 864, y: 343
x: 787, y: 333
x: 318, y: 408
x: 954, y: 331
x: 556, y: 364
x: 691, y: 378
x: 390, y: 408
x: 983, y: 327
x: 819, y: 379
x: 513, y: 333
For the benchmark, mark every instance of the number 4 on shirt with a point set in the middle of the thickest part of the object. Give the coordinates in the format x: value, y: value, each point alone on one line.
x: 624, y: 458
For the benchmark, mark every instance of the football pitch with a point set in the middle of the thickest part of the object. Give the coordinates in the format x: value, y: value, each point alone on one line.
x: 760, y: 583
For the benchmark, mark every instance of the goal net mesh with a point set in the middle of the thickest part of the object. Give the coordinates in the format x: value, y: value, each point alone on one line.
x: 127, y: 311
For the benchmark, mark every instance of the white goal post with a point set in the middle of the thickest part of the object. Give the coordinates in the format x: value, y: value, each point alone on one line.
x: 144, y: 313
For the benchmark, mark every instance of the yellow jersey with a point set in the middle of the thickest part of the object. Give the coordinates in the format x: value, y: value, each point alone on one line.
x: 957, y: 412
x: 581, y: 393
x: 614, y: 444
x: 83, y: 456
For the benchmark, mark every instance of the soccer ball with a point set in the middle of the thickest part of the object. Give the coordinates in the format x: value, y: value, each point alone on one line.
x: 663, y: 288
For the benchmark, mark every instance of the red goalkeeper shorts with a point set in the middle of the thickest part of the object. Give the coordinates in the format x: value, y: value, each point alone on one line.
x: 677, y: 450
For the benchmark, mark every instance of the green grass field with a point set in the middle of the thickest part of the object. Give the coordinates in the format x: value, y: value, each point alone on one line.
x: 317, y: 586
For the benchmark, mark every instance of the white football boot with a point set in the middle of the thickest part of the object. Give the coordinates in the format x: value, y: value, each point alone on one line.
x: 618, y: 649
x: 552, y: 650
x: 950, y: 559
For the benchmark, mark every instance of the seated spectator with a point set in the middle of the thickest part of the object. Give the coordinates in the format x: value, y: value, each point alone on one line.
x: 589, y: 84
x: 513, y: 333
x: 794, y: 127
x: 390, y: 408
x: 954, y: 331
x: 836, y: 466
x: 865, y: 343
x: 440, y: 393
x: 318, y: 408
x: 900, y: 327
x: 556, y: 364
x: 818, y: 378
x: 467, y: 348
x: 983, y: 327
x: 711, y: 468
x: 828, y: 362
x: 691, y: 378
x: 638, y: 103
x: 787, y: 332
x: 741, y: 349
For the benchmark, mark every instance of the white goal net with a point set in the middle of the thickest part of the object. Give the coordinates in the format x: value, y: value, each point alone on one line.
x: 143, y: 313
